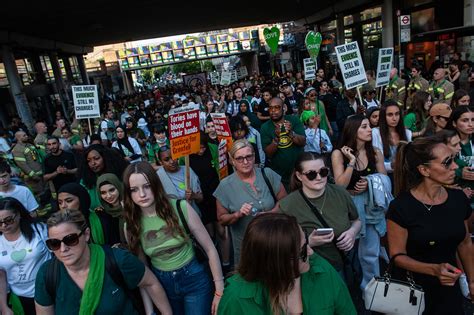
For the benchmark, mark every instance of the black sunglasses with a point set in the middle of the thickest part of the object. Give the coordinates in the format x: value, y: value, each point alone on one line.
x: 311, y: 175
x: 304, y: 249
x: 446, y: 163
x: 8, y: 221
x: 68, y: 240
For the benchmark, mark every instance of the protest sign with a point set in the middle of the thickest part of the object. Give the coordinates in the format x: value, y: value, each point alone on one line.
x: 272, y: 36
x: 243, y: 71
x: 352, y: 67
x: 222, y: 128
x: 384, y: 66
x: 313, y: 44
x: 226, y: 77
x: 233, y: 76
x: 191, y: 80
x: 215, y: 77
x: 86, y: 101
x: 183, y: 128
x: 309, y: 69
x: 223, y: 162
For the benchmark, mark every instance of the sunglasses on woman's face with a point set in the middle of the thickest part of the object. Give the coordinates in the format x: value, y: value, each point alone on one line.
x: 8, y: 221
x: 304, y: 249
x: 311, y: 175
x: 446, y: 162
x: 68, y: 240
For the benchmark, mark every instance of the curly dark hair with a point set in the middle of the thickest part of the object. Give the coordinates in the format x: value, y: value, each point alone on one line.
x: 113, y: 163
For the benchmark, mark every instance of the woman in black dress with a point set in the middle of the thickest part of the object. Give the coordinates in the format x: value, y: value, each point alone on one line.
x: 427, y: 222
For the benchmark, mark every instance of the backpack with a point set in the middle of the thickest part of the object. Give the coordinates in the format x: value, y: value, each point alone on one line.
x: 111, y: 267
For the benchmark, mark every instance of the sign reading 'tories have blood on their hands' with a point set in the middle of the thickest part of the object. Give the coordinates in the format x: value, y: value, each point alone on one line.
x: 183, y: 129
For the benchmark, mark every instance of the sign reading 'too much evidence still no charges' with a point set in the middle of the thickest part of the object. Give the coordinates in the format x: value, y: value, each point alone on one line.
x: 183, y: 129
x: 352, y: 67
x: 86, y: 101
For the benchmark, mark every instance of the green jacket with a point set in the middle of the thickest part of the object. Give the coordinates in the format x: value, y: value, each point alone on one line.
x: 324, y: 293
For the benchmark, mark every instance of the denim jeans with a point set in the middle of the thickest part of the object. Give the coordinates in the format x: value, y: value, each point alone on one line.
x: 189, y: 289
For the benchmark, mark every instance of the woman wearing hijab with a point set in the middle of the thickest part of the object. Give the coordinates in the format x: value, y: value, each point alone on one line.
x: 128, y: 146
x: 110, y: 190
x: 74, y: 196
x: 244, y: 110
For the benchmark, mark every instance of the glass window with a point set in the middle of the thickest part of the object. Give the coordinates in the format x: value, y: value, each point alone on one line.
x: 348, y: 20
x: 371, y: 13
x: 328, y: 26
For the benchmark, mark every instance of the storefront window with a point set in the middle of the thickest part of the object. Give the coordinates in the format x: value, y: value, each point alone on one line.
x: 328, y: 26
x: 348, y: 20
x: 47, y: 68
x: 414, y: 3
x: 372, y: 41
x: 370, y: 13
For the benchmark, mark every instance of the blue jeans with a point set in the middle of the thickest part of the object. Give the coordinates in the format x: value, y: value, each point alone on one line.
x: 189, y: 289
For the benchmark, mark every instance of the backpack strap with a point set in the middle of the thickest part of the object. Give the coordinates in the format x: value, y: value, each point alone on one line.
x: 117, y: 276
x: 52, y: 276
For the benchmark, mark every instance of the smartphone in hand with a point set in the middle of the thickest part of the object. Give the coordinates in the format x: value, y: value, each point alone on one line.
x: 324, y: 231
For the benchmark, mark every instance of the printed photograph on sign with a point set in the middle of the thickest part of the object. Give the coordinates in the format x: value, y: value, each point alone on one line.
x: 351, y: 64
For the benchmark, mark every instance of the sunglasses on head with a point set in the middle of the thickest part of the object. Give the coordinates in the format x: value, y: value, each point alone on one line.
x: 311, y: 175
x: 68, y: 240
x: 8, y: 221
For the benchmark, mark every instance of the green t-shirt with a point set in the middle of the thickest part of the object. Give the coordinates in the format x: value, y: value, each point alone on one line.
x: 283, y: 161
x: 337, y: 209
x: 410, y: 122
x: 323, y: 293
x: 167, y: 252
x: 113, y: 299
x: 461, y: 161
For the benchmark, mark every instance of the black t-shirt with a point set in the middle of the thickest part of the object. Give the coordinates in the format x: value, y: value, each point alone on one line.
x: 292, y: 103
x: 330, y: 105
x: 263, y: 109
x: 433, y: 235
x: 52, y: 162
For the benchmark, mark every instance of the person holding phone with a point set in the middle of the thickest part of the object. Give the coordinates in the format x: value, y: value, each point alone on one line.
x: 355, y: 159
x: 428, y: 224
x: 309, y: 183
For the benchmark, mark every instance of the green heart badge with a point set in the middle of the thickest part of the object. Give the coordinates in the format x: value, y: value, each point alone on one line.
x: 18, y: 255
x: 313, y: 44
x: 272, y: 36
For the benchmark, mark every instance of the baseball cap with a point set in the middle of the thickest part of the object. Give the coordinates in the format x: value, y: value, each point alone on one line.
x: 440, y: 109
x: 284, y: 82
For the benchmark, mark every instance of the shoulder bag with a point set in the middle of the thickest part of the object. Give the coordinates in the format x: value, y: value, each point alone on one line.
x: 199, y: 251
x: 390, y: 296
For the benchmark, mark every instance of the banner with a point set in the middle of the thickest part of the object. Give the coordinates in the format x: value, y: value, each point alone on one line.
x: 86, y: 101
x: 222, y: 128
x: 191, y: 80
x: 352, y: 67
x: 309, y: 69
x: 233, y: 76
x: 183, y: 128
x: 384, y: 65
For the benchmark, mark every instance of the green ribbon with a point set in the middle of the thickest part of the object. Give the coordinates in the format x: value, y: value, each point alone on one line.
x: 95, y: 281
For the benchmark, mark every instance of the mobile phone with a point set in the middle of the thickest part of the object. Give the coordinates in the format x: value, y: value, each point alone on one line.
x: 324, y: 231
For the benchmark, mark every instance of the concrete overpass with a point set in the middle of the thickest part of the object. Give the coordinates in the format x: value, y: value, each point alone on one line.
x: 62, y: 30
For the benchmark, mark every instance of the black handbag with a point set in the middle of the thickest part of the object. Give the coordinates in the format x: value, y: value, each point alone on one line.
x: 199, y: 252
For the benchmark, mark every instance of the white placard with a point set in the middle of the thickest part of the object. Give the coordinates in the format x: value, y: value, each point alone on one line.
x: 384, y: 65
x: 226, y: 77
x: 86, y: 101
x: 243, y: 71
x: 215, y: 77
x: 309, y: 69
x: 352, y: 67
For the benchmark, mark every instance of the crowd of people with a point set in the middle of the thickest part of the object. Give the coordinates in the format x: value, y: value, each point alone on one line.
x: 323, y: 189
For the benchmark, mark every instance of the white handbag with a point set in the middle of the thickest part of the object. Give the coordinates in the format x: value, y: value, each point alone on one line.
x: 394, y: 297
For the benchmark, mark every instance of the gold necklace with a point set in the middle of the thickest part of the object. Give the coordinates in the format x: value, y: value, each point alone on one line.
x: 432, y: 205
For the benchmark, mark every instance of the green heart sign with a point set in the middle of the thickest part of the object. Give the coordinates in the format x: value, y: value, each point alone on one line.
x: 272, y: 36
x: 313, y: 44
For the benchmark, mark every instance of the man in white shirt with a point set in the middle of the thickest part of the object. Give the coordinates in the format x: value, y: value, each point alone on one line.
x: 20, y: 193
